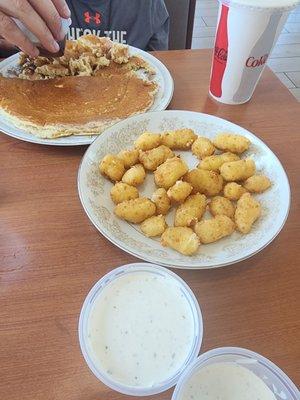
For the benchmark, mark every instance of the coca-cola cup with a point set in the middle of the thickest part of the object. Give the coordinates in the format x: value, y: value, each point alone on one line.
x: 246, y: 34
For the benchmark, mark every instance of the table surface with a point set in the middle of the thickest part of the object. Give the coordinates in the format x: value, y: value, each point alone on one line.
x: 51, y: 255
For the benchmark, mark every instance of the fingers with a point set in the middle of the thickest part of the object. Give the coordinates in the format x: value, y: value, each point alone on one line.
x: 10, y: 31
x: 41, y: 17
x: 50, y: 15
x: 62, y: 8
x: 23, y: 10
x: 4, y: 44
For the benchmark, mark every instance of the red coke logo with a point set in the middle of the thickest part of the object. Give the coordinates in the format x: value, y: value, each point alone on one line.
x: 221, y: 54
x: 253, y: 62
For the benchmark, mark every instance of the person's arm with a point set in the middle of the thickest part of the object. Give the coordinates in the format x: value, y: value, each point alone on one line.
x: 160, y: 39
x: 43, y: 18
x: 160, y: 27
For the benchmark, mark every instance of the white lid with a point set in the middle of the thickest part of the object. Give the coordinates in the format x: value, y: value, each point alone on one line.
x: 263, y: 4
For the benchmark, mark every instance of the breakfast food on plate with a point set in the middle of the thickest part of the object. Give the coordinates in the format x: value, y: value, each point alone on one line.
x: 154, y: 226
x: 248, y: 210
x: 147, y: 141
x: 135, y: 176
x: 257, y: 184
x: 89, y: 55
x: 233, y: 191
x: 221, y: 206
x: 161, y: 200
x: 214, y: 163
x: 168, y: 173
x: 181, y: 139
x: 209, y: 188
x: 73, y: 105
x: 112, y: 167
x: 122, y: 192
x: 233, y: 143
x: 151, y: 159
x: 209, y: 183
x: 238, y: 170
x: 191, y: 211
x: 179, y: 192
x: 135, y: 211
x: 129, y: 157
x: 94, y: 85
x: 182, y: 239
x: 203, y: 147
x: 214, y: 229
x: 119, y: 53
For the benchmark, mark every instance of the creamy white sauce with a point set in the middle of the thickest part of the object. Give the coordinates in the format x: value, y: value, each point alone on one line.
x: 141, y: 329
x: 265, y: 3
x: 226, y: 381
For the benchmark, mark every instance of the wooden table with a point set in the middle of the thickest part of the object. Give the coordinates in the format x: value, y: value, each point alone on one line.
x: 51, y: 254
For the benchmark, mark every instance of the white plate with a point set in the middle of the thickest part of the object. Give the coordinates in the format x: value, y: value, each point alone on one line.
x: 162, y: 100
x: 94, y: 192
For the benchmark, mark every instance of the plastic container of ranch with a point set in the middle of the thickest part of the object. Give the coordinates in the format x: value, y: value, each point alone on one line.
x: 140, y: 332
x: 235, y: 374
x: 247, y: 31
x: 139, y: 328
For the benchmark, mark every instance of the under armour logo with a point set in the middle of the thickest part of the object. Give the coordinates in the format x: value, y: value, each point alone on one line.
x: 88, y: 18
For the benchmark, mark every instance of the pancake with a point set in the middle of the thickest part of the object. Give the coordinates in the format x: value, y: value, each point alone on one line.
x: 95, y: 84
x: 74, y: 105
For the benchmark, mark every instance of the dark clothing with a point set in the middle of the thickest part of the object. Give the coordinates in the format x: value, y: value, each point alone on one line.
x: 140, y: 23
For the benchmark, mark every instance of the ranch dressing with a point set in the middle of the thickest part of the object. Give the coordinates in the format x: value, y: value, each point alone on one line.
x: 140, y: 329
x: 225, y: 381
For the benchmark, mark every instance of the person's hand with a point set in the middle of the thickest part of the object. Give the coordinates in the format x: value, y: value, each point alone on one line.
x: 41, y: 17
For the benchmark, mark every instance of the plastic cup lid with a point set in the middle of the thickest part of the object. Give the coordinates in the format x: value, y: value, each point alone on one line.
x: 269, y: 5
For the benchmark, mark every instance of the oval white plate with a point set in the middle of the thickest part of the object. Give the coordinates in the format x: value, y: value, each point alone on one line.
x: 162, y: 100
x: 94, y: 192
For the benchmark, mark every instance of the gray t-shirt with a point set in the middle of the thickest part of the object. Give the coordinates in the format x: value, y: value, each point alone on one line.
x: 140, y: 23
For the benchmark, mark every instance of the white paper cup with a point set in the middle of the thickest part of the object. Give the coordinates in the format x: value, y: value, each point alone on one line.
x: 246, y: 34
